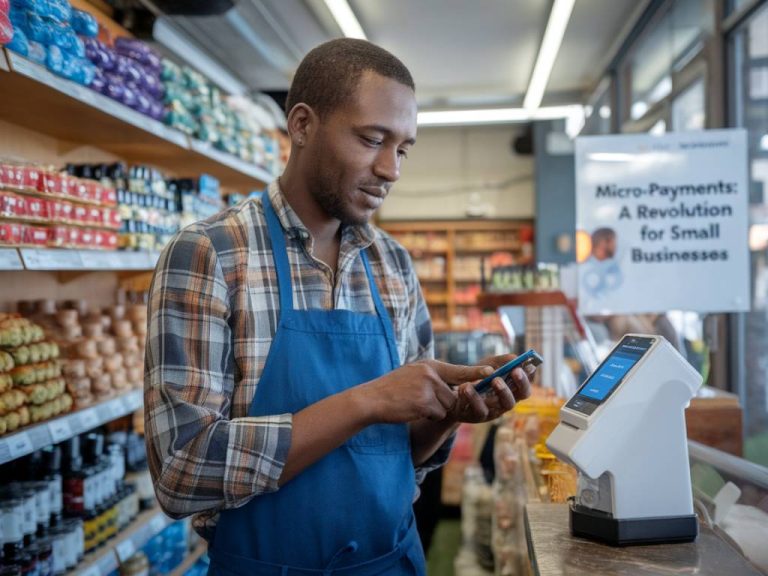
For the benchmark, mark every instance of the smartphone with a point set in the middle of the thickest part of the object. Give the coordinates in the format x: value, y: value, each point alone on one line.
x: 530, y: 357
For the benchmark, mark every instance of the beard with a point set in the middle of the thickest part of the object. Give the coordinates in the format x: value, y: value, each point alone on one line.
x: 327, y: 191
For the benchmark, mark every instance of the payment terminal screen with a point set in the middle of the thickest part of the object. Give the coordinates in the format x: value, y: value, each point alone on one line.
x: 613, y: 370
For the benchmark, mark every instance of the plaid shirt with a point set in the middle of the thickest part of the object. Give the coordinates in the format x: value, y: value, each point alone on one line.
x: 213, y: 312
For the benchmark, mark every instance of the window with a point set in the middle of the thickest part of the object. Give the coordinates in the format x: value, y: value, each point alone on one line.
x: 748, y: 59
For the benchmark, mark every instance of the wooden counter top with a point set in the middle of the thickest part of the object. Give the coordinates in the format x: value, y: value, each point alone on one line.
x: 554, y: 552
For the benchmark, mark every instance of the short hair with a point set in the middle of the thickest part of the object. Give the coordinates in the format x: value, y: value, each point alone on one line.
x: 329, y: 74
x: 602, y: 234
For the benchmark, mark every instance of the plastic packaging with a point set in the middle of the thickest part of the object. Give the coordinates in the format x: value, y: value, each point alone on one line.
x: 54, y: 60
x: 19, y: 42
x: 84, y: 23
x: 37, y: 52
x: 6, y: 28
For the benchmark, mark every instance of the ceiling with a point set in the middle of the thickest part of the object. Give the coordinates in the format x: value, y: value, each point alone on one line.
x: 460, y: 52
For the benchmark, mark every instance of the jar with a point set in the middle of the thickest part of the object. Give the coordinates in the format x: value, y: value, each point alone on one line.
x: 44, y: 550
x: 77, y: 537
x: 59, y: 546
x: 136, y: 565
x: 12, y: 518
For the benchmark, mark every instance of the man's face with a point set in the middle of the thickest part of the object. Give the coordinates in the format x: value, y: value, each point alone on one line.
x: 358, y: 149
x: 605, y: 248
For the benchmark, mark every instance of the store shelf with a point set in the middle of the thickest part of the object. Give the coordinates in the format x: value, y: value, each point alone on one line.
x: 85, y: 260
x: 107, y: 559
x: 190, y: 560
x: 503, y: 247
x: 436, y: 298
x: 10, y: 259
x: 495, y: 300
x: 36, y: 99
x: 33, y: 438
x: 208, y: 152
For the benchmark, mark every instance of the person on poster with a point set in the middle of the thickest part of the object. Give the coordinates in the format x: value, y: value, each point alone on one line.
x: 601, y: 273
x: 292, y: 402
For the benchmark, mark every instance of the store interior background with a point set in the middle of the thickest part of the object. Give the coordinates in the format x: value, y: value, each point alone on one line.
x: 624, y: 66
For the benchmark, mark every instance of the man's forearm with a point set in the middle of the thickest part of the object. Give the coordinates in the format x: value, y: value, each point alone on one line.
x: 427, y: 436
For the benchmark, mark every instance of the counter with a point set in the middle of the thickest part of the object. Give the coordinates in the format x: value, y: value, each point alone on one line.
x: 554, y: 552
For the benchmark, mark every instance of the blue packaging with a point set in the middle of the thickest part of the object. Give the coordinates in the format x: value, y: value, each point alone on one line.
x: 37, y: 52
x: 19, y: 42
x: 54, y: 60
x: 84, y: 23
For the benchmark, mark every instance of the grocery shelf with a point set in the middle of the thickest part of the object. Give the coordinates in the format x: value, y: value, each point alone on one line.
x: 108, y: 558
x: 483, y: 248
x: 85, y: 260
x: 10, y: 259
x: 190, y: 560
x: 39, y: 100
x: 31, y: 438
x: 496, y: 299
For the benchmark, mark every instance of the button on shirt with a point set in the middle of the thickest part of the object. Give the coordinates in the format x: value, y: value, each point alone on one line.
x: 213, y: 311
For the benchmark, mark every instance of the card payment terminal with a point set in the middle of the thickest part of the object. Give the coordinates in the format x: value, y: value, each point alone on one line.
x: 624, y: 431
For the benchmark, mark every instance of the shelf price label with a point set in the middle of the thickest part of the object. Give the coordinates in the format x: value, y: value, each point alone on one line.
x: 88, y: 419
x: 60, y: 430
x: 125, y: 550
x: 19, y: 445
x: 116, y: 408
x: 9, y: 259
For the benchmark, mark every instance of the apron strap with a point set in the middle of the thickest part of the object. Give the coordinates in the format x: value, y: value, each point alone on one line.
x: 381, y: 311
x: 279, y: 254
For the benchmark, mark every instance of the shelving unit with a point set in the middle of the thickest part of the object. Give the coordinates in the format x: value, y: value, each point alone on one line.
x: 105, y: 560
x: 36, y: 99
x: 31, y: 438
x: 191, y: 558
x: 69, y: 260
x: 449, y: 255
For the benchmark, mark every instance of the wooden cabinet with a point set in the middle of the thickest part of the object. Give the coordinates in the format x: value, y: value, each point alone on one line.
x: 453, y: 258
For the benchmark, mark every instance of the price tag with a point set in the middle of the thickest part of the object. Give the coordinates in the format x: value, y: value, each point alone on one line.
x: 51, y: 259
x: 125, y: 550
x: 60, y: 430
x: 19, y: 445
x: 116, y: 409
x: 96, y: 260
x: 157, y: 524
x: 92, y: 571
x: 9, y: 259
x: 89, y: 419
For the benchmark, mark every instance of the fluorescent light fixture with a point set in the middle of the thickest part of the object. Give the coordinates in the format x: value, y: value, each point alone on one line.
x: 611, y: 156
x: 346, y: 19
x: 178, y: 43
x: 550, y: 45
x: 496, y: 115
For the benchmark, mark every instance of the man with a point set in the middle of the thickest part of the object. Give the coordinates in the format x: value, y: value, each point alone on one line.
x: 291, y: 402
x: 601, y: 273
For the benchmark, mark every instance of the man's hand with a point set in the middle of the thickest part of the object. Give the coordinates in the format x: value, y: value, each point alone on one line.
x: 425, y: 389
x: 473, y: 407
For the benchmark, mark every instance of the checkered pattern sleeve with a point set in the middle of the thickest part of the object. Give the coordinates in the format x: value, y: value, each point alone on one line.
x: 201, y: 459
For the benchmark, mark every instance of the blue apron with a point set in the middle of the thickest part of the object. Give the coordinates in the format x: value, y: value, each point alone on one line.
x: 351, y: 512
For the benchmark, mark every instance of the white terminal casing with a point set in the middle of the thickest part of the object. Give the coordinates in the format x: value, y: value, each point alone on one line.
x: 632, y: 451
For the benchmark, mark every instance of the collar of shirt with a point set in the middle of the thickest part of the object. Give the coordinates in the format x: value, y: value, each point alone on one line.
x: 354, y: 235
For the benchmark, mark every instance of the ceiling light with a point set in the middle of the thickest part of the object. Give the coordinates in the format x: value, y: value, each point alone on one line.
x: 764, y: 142
x: 496, y: 115
x: 550, y: 45
x: 346, y: 19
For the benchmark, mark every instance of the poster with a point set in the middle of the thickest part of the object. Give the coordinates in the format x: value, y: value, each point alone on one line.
x: 661, y: 222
